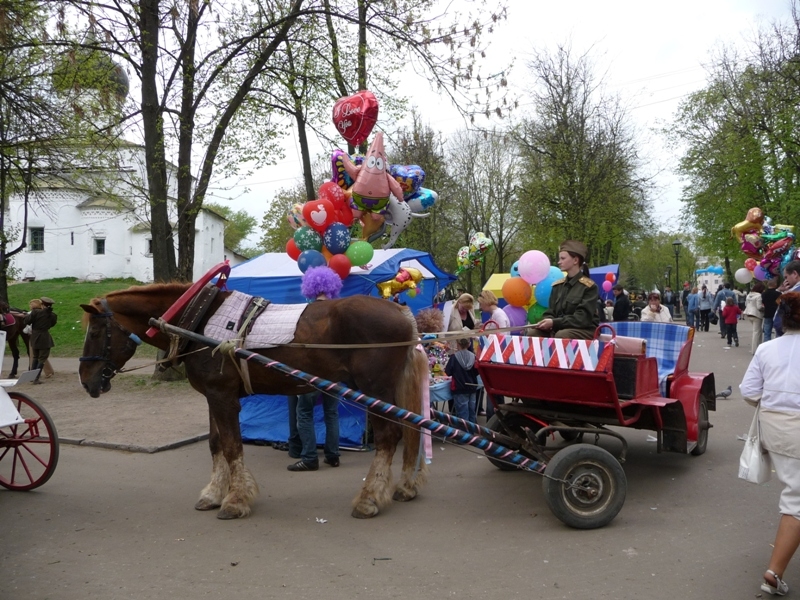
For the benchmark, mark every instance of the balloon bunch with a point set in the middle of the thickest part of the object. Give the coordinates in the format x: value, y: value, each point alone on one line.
x: 768, y: 247
x: 473, y: 255
x: 379, y: 194
x: 407, y: 279
x: 528, y: 289
x: 322, y: 233
x: 609, y: 282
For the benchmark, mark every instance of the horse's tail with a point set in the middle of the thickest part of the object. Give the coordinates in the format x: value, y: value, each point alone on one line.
x: 409, y: 396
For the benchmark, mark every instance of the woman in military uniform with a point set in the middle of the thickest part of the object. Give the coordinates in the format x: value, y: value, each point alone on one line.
x: 573, y: 301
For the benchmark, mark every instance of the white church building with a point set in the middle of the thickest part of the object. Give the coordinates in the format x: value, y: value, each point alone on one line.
x: 102, y: 231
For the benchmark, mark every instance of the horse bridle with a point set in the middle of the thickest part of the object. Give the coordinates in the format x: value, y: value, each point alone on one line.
x: 110, y: 369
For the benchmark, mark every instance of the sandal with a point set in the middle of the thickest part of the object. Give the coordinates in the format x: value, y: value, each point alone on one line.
x: 781, y: 588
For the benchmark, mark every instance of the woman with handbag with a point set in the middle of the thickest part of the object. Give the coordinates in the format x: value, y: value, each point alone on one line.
x: 772, y: 382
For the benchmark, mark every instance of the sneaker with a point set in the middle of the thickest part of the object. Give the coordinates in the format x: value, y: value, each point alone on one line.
x: 737, y: 343
x: 304, y: 465
x: 333, y: 461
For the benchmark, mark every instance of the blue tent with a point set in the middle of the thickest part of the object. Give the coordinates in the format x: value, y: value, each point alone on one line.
x: 275, y: 276
x: 598, y: 275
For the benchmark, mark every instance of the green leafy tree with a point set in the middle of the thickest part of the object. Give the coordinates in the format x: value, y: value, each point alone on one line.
x: 581, y: 172
x: 739, y: 140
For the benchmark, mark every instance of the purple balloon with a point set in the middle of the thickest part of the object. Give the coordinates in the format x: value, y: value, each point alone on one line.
x: 760, y: 274
x: 517, y: 315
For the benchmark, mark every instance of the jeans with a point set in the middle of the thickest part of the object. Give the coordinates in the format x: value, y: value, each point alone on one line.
x: 671, y: 310
x: 465, y: 406
x: 730, y: 330
x: 767, y: 329
x: 490, y: 407
x: 693, y: 319
x: 302, y: 436
x: 704, y: 319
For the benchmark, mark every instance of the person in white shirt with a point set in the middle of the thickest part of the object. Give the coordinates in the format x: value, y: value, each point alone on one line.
x: 655, y: 311
x: 488, y: 303
x: 773, y: 380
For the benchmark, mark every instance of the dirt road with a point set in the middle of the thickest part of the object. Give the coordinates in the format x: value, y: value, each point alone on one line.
x: 113, y: 525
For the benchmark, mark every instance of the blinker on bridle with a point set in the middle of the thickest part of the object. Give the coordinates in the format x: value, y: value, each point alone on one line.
x: 110, y: 369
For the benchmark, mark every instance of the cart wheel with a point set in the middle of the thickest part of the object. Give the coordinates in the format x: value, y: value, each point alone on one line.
x: 29, y: 450
x: 702, y: 428
x: 516, y: 423
x: 595, y: 486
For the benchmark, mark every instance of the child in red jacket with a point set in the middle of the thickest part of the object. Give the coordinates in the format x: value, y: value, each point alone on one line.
x: 730, y: 315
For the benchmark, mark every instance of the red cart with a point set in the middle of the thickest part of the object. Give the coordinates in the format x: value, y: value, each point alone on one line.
x: 640, y: 379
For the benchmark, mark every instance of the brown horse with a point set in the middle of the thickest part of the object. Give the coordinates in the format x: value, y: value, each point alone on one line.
x: 14, y: 334
x: 393, y: 374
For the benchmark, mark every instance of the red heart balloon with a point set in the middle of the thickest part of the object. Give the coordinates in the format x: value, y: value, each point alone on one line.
x: 319, y: 214
x: 355, y: 116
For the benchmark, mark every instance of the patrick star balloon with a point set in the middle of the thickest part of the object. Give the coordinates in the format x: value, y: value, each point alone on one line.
x: 373, y: 183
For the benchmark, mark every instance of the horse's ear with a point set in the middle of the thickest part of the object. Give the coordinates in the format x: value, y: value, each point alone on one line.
x: 89, y: 308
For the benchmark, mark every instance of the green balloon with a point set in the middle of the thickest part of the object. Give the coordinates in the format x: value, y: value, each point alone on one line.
x: 360, y: 253
x: 535, y: 313
x: 306, y: 238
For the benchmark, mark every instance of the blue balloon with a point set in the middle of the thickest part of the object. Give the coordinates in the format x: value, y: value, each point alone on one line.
x: 544, y: 287
x: 337, y: 238
x: 310, y: 258
x: 515, y: 269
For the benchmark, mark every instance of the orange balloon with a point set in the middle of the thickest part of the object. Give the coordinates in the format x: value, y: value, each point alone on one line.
x: 327, y: 254
x: 517, y: 291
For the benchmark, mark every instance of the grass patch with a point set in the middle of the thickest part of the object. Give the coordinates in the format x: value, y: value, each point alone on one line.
x: 69, y: 294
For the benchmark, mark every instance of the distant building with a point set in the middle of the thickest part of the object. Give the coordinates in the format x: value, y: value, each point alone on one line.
x: 711, y: 277
x: 102, y: 232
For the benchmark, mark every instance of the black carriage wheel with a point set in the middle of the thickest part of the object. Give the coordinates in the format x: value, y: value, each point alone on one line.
x: 29, y: 450
x: 592, y: 486
x: 702, y: 428
x: 516, y: 423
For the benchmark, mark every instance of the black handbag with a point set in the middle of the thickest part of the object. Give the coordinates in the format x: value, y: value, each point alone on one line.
x: 713, y: 318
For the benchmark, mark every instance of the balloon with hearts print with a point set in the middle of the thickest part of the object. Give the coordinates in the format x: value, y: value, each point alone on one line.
x: 355, y: 116
x: 319, y: 214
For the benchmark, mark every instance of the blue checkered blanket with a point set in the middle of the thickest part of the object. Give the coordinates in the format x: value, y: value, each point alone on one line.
x: 664, y: 342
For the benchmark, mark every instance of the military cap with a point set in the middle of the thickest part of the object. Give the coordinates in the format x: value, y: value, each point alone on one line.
x: 575, y: 247
x: 46, y: 300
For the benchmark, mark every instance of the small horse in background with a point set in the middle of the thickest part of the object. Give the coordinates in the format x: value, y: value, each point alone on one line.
x: 393, y: 374
x: 14, y: 333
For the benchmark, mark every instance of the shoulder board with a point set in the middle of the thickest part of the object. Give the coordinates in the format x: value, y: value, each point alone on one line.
x: 560, y: 281
x: 586, y: 281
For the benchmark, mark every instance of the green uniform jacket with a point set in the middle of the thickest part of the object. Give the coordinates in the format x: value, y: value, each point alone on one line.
x: 573, y: 304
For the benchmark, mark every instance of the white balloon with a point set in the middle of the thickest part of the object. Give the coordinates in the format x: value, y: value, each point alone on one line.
x: 743, y: 275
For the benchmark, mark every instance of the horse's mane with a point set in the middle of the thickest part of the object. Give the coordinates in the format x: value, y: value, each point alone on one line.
x: 130, y: 294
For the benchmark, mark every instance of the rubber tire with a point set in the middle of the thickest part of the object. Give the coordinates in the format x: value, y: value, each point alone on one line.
x: 494, y: 425
x: 702, y: 434
x: 596, y: 463
x: 29, y: 409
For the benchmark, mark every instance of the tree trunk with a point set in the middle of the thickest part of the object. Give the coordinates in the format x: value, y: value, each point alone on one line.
x: 302, y: 138
x: 164, y: 268
x: 362, y: 54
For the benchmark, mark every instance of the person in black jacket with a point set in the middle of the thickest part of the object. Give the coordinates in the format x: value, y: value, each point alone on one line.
x: 622, y: 306
x: 461, y: 367
x: 41, y: 321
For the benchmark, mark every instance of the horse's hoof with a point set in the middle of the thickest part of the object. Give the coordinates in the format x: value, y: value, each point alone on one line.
x: 227, y: 515
x: 404, y: 495
x: 366, y: 509
x: 204, y: 504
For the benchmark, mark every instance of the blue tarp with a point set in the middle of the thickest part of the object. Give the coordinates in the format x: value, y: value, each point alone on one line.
x: 266, y: 418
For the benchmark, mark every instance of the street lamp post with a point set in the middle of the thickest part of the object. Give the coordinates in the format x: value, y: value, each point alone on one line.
x: 676, y: 246
x: 667, y: 274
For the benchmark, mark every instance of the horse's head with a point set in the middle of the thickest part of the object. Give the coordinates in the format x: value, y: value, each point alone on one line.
x: 106, y: 349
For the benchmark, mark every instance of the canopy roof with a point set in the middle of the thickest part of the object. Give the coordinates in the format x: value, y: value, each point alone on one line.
x: 276, y: 276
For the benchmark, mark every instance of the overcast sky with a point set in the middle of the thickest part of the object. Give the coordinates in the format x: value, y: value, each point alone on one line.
x: 652, y: 53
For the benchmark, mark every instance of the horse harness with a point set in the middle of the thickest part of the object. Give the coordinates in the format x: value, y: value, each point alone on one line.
x: 131, y: 343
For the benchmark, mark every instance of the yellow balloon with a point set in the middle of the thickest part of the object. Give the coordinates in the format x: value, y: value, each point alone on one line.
x: 743, y: 227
